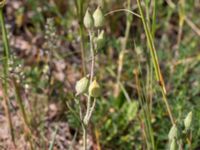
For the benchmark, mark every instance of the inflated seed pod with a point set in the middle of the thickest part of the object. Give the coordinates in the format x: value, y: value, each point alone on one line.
x: 88, y: 20
x: 188, y: 120
x: 173, y: 132
x: 82, y: 85
x: 99, y: 41
x: 94, y: 89
x: 98, y: 17
x: 173, y: 145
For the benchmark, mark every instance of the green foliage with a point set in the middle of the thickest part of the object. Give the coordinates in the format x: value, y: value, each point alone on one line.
x: 131, y: 119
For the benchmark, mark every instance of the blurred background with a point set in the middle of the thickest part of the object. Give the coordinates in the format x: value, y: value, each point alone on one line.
x: 46, y: 40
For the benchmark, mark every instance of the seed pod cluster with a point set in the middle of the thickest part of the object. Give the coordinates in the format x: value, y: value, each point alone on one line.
x: 82, y: 87
x: 95, y: 20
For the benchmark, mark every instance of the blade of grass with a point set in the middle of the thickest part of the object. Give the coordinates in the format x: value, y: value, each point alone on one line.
x: 159, y: 76
x: 79, y: 7
x: 153, y: 28
x: 27, y: 130
x: 6, y: 74
x: 53, y: 139
x: 124, y: 45
x: 146, y: 111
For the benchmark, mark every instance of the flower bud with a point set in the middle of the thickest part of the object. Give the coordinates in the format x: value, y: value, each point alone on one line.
x: 94, y: 89
x: 173, y: 132
x: 2, y: 3
x: 99, y: 41
x: 173, y: 145
x: 81, y: 85
x: 188, y: 120
x: 98, y: 17
x: 88, y: 20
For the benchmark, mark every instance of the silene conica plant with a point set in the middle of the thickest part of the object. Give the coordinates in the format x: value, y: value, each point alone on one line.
x: 88, y: 86
x: 179, y: 134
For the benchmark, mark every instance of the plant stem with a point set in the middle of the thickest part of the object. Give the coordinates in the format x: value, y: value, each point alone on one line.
x: 124, y: 45
x: 84, y: 127
x: 82, y: 51
x: 89, y: 108
x: 6, y: 75
x: 146, y: 112
x: 79, y: 7
x: 153, y: 29
x: 159, y: 76
x: 91, y: 75
x: 27, y: 130
x: 92, y: 55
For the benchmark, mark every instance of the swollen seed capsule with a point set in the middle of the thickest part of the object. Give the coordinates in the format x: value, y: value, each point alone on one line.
x: 99, y: 41
x: 94, y: 89
x: 173, y: 145
x: 81, y: 85
x: 188, y: 120
x: 173, y: 132
x: 88, y: 20
x: 98, y: 17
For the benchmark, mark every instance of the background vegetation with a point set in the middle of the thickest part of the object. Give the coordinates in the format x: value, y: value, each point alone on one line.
x: 48, y: 41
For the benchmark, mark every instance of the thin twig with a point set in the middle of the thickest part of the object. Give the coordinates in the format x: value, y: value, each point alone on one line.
x: 6, y: 74
x: 122, y: 10
x: 192, y: 25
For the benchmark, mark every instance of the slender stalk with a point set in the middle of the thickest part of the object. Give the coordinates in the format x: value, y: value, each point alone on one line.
x: 84, y: 137
x: 91, y: 75
x: 124, y: 45
x: 153, y: 28
x: 123, y: 10
x: 146, y: 112
x: 20, y: 101
x: 27, y: 129
x: 79, y: 7
x: 82, y: 51
x: 6, y: 75
x: 181, y: 21
x: 159, y: 76
x: 89, y: 107
x: 92, y: 55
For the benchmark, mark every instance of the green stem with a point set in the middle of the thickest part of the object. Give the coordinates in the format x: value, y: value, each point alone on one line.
x: 159, y: 76
x: 82, y: 51
x: 6, y: 74
x: 79, y: 7
x: 84, y: 137
x: 124, y: 45
x: 153, y: 29
x: 87, y: 115
x: 20, y: 102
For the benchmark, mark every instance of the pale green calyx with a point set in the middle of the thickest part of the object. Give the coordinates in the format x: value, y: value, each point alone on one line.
x: 99, y: 41
x: 188, y: 120
x: 173, y: 132
x: 82, y: 86
x: 94, y: 89
x: 98, y: 17
x: 173, y: 145
x: 88, y: 20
